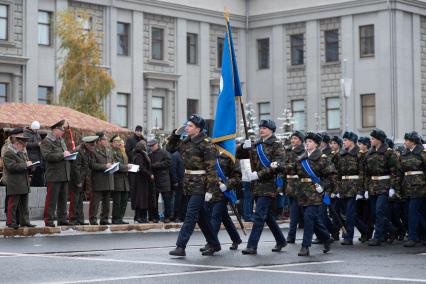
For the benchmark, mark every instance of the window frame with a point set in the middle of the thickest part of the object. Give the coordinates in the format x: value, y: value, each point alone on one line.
x: 163, y: 103
x: 49, y: 95
x: 293, y: 112
x: 330, y: 44
x: 259, y: 104
x: 295, y: 48
x: 160, y: 41
x: 126, y: 35
x: 49, y: 28
x: 262, y: 62
x: 196, y: 102
x: 363, y: 40
x: 220, y: 43
x: 7, y: 19
x: 194, y: 46
x: 126, y: 106
x: 364, y: 107
x: 327, y: 109
x: 6, y: 94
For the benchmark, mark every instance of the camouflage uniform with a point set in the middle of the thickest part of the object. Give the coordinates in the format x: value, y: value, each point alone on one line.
x: 265, y: 190
x: 413, y: 186
x: 380, y: 175
x: 199, y: 157
x: 350, y: 178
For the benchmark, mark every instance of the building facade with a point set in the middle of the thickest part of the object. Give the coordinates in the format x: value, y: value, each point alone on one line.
x: 165, y: 59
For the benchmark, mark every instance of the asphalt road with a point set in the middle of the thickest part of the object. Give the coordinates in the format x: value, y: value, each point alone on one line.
x: 143, y: 258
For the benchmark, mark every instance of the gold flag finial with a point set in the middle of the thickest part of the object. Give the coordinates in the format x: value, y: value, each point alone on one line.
x: 226, y: 13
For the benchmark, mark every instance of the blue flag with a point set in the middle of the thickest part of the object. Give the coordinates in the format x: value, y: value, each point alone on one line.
x: 224, y: 129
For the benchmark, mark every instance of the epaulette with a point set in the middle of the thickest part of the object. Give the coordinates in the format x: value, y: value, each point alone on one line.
x: 323, y: 156
x: 389, y: 149
x: 333, y: 152
x: 362, y: 151
x: 207, y: 140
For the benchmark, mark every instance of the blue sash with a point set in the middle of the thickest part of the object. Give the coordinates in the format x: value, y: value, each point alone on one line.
x: 315, y: 179
x: 228, y: 193
x: 266, y: 163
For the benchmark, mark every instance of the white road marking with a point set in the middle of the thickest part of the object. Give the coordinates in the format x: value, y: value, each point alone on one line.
x: 423, y: 253
x: 299, y: 264
x: 356, y: 276
x: 144, y: 276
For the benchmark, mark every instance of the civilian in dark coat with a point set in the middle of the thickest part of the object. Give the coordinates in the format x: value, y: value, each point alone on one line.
x: 142, y: 194
x: 133, y: 140
x: 161, y: 162
x: 34, y: 153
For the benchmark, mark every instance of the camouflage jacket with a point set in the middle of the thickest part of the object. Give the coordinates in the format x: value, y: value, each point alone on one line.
x: 350, y: 163
x: 198, y: 154
x: 233, y: 173
x: 381, y: 162
x: 326, y: 151
x: 290, y: 169
x: 274, y: 151
x: 324, y: 169
x: 334, y: 157
x: 413, y: 185
x: 121, y: 179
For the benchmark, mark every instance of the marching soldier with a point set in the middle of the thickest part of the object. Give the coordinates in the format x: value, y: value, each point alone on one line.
x: 381, y: 180
x: 267, y: 154
x: 199, y: 156
x: 217, y: 205
x: 316, y: 173
x: 54, y: 151
x: 80, y: 172
x: 351, y: 180
x: 18, y: 185
x: 412, y: 173
x: 292, y: 181
x: 120, y: 195
x: 325, y: 143
x: 102, y: 183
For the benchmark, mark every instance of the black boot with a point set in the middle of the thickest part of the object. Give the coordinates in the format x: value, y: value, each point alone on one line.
x: 178, y: 251
x: 204, y: 248
x: 327, y: 245
x: 211, y: 250
x: 249, y: 251
x: 410, y: 244
x: 291, y: 240
x: 304, y: 251
x: 374, y: 243
x: 316, y: 242
x: 347, y: 242
x: 234, y: 245
x: 278, y: 247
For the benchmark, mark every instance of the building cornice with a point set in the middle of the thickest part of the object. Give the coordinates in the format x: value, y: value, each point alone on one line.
x: 13, y: 60
x: 160, y: 76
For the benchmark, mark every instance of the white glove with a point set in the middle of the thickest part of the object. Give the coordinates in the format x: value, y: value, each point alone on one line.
x: 319, y: 188
x: 180, y: 130
x: 222, y: 187
x: 359, y: 196
x: 391, y: 192
x: 208, y: 196
x: 247, y: 144
x: 254, y: 176
x: 332, y: 195
x: 274, y: 165
x: 366, y: 194
x: 338, y: 195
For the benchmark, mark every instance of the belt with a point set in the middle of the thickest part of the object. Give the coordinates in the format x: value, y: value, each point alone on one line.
x: 412, y: 173
x: 380, y: 177
x: 292, y: 176
x: 350, y: 177
x: 199, y: 172
x: 305, y: 180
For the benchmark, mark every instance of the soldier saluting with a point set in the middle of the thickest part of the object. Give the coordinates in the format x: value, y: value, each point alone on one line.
x: 54, y: 151
x: 199, y: 157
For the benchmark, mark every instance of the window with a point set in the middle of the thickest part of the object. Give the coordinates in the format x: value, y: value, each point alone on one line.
x: 220, y: 41
x: 333, y: 113
x: 191, y: 107
x: 4, y: 25
x: 366, y: 41
x: 3, y: 93
x: 331, y: 45
x: 368, y: 109
x: 263, y: 53
x: 298, y: 111
x: 45, y: 95
x: 123, y: 110
x: 191, y: 48
x: 296, y: 42
x: 44, y: 21
x: 264, y: 111
x: 123, y: 39
x: 158, y: 112
x: 157, y: 44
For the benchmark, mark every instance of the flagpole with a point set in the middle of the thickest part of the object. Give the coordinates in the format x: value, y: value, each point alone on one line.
x: 226, y: 14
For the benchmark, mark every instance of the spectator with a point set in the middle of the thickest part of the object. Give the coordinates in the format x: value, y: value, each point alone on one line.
x: 133, y: 140
x: 34, y: 153
x: 177, y: 173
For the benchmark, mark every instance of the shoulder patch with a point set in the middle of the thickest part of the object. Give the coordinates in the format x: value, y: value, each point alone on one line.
x: 323, y: 156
